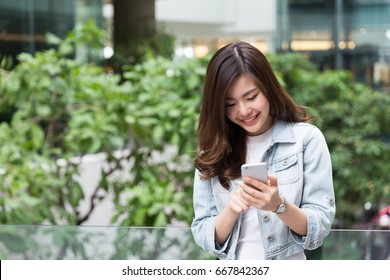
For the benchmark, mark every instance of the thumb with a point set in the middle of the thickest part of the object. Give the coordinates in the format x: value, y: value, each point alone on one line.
x: 272, y: 181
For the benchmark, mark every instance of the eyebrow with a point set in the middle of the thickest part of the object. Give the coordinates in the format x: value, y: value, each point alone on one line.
x: 245, y: 94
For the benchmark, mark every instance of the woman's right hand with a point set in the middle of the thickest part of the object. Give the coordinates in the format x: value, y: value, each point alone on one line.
x: 237, y: 203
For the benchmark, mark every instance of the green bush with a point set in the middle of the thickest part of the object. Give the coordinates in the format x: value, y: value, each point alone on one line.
x: 162, y: 112
x: 58, y: 109
x: 61, y: 110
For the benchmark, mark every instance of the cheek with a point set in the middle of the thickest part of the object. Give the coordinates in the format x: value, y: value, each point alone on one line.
x: 265, y: 107
x: 264, y: 104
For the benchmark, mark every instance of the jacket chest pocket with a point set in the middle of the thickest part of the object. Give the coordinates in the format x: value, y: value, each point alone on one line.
x: 286, y: 169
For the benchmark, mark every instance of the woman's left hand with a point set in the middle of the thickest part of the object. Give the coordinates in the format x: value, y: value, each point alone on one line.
x: 260, y: 195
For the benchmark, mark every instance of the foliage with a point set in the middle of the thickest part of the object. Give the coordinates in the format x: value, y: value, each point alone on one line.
x: 354, y: 119
x: 62, y: 110
x: 153, y: 43
x: 165, y: 97
x: 6, y: 61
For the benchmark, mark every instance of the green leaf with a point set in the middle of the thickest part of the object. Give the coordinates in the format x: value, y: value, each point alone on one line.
x: 52, y: 38
x: 76, y: 194
x: 161, y: 220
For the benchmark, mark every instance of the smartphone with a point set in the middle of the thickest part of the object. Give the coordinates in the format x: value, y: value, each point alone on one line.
x: 258, y: 171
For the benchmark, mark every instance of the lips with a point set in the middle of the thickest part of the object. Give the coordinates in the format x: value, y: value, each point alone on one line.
x: 249, y: 121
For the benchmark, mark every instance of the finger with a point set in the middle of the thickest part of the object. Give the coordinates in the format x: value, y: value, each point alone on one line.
x: 255, y: 184
x: 238, y: 206
x: 254, y: 199
x: 242, y: 200
x: 235, y: 207
x: 238, y: 200
x: 250, y: 194
x: 272, y: 180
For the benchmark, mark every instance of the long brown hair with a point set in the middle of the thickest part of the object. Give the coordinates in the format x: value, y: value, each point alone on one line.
x: 221, y: 143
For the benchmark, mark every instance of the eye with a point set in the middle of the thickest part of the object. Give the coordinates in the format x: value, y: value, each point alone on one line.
x: 252, y: 97
x: 229, y: 102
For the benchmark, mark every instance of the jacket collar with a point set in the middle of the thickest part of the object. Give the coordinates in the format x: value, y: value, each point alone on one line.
x: 283, y: 132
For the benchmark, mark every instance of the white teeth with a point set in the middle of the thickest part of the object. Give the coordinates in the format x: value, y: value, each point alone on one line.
x: 249, y: 120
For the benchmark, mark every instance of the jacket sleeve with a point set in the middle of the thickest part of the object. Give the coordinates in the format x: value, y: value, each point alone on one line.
x: 203, y: 225
x: 318, y: 199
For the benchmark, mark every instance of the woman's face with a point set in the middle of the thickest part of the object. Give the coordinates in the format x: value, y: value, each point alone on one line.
x: 248, y: 107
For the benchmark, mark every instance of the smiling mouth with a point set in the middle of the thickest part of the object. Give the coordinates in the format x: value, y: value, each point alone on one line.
x: 250, y: 120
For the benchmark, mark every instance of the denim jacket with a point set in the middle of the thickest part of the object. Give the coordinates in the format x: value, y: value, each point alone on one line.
x: 300, y: 159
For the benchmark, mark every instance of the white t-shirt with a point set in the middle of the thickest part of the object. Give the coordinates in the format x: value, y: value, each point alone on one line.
x: 250, y: 243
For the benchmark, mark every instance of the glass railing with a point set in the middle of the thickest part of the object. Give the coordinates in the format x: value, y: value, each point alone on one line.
x: 354, y: 245
x: 28, y: 242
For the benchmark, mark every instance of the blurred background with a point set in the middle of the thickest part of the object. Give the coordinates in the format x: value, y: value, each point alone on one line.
x: 99, y: 101
x: 337, y: 34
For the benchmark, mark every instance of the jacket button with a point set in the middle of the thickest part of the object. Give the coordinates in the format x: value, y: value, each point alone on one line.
x: 270, y: 238
x: 266, y: 218
x: 285, y: 162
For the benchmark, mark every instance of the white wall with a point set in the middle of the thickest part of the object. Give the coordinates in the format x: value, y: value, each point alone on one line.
x: 213, y: 19
x: 91, y: 167
x: 196, y: 12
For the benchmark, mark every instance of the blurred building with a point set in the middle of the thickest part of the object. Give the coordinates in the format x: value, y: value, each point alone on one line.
x: 336, y: 34
x: 24, y: 23
x: 339, y: 34
x: 203, y: 25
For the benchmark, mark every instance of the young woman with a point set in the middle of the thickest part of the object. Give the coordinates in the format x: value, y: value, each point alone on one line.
x: 248, y: 117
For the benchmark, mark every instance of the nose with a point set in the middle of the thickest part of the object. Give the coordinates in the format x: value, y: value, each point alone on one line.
x: 244, y: 108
